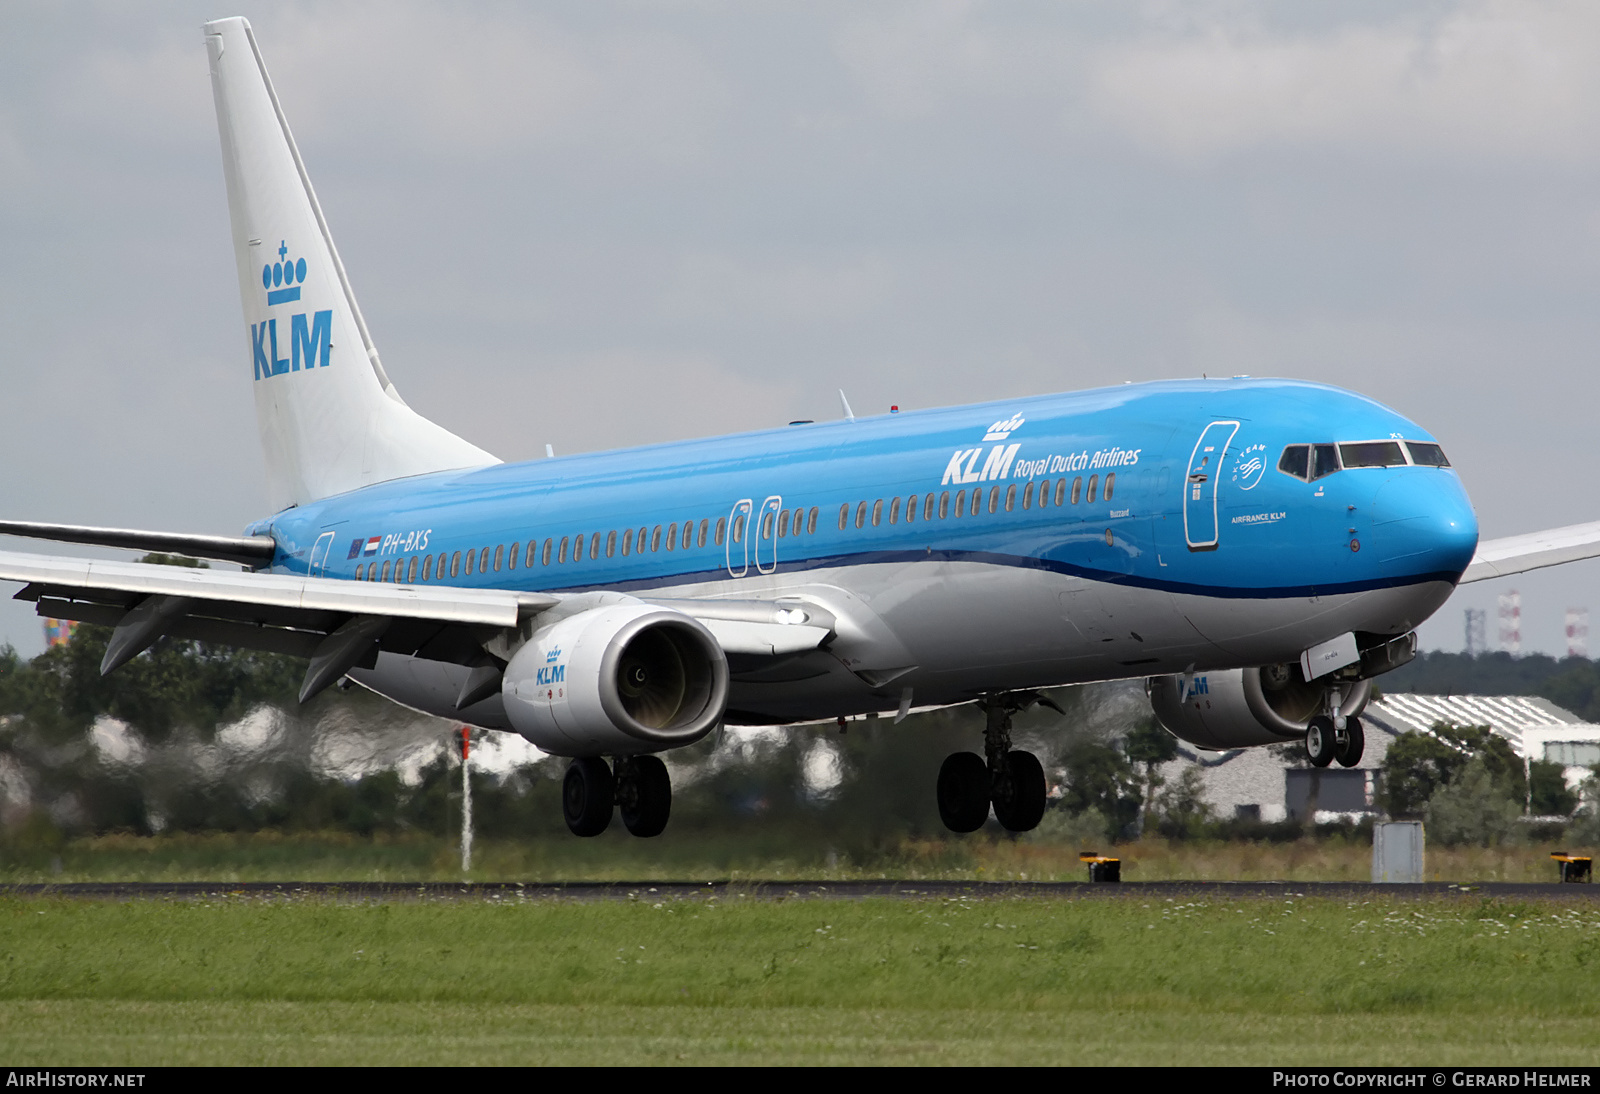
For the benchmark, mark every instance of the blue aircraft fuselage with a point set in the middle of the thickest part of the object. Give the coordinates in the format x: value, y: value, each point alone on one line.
x: 1116, y: 532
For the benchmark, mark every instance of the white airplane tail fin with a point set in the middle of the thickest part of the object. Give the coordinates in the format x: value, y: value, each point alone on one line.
x: 330, y: 419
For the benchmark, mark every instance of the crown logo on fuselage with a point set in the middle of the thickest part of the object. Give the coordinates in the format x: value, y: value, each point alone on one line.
x: 1001, y: 430
x: 282, y: 278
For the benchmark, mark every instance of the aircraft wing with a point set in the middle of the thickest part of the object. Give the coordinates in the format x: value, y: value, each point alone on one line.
x: 252, y: 551
x: 1533, y: 551
x: 338, y: 624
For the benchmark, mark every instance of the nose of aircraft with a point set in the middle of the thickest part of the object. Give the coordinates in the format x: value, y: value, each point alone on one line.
x: 1423, y: 522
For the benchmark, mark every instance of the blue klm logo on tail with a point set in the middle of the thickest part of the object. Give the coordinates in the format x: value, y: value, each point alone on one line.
x: 309, y: 344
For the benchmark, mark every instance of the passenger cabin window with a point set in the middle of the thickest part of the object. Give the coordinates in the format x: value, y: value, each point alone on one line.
x: 783, y: 524
x: 611, y: 544
x: 722, y: 527
x: 411, y: 571
x: 1027, y: 496
x: 561, y: 553
x: 544, y: 558
x: 877, y: 512
x: 994, y: 499
x: 455, y: 564
x: 1011, y: 497
x: 894, y: 510
x: 1077, y: 489
x: 1372, y: 454
x: 361, y: 571
x: 1111, y: 481
x: 1094, y: 484
x: 944, y: 505
x: 672, y: 534
x: 861, y: 515
x: 1424, y: 454
x: 594, y: 545
x: 911, y: 508
x: 499, y: 556
x: 844, y: 516
x: 811, y: 524
x: 385, y: 576
x: 705, y: 526
x: 427, y: 568
x: 738, y: 528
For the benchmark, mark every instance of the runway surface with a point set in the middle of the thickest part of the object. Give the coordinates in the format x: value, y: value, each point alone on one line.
x: 785, y: 890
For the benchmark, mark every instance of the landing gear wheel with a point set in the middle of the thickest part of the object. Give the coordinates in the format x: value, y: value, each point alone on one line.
x: 963, y: 792
x: 587, y: 796
x: 646, y: 808
x: 1320, y: 741
x: 1022, y: 808
x: 1349, y: 743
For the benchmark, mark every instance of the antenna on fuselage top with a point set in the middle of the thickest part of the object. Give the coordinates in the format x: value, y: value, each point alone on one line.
x: 849, y: 415
x: 549, y: 451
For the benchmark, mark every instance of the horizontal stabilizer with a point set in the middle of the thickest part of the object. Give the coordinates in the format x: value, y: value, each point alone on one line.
x: 250, y: 551
x: 1533, y: 551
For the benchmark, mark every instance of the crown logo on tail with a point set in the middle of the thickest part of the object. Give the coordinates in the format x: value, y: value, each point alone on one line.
x: 282, y: 278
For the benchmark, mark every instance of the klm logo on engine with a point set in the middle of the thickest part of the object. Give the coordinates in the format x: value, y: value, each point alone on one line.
x: 550, y: 674
x: 310, y: 344
x: 1197, y: 686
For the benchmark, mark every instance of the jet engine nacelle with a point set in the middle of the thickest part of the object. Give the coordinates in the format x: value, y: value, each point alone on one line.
x: 1237, y: 708
x: 617, y: 680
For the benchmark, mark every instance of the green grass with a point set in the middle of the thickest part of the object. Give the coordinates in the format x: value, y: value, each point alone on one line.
x: 760, y: 853
x: 1024, y: 980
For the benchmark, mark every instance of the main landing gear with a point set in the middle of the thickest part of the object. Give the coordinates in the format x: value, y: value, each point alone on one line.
x: 1011, y: 781
x: 636, y: 786
x: 1327, y: 740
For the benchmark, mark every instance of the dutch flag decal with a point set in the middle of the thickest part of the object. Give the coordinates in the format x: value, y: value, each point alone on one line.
x: 372, y: 545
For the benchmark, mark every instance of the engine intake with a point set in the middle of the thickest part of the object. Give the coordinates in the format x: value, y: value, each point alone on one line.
x: 1238, y: 708
x: 617, y: 680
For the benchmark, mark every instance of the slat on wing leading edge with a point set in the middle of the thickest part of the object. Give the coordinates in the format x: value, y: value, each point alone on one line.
x: 488, y: 607
x: 1533, y: 551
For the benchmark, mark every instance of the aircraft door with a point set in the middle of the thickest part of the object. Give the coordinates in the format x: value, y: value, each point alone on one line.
x: 1200, y: 486
x: 738, y: 536
x: 765, y: 533
x: 319, y: 554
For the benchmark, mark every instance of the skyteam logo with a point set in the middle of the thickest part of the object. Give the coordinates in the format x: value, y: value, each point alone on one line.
x: 1249, y: 466
x: 310, y: 344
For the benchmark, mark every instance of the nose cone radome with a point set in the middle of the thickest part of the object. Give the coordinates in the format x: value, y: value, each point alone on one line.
x: 1422, y: 523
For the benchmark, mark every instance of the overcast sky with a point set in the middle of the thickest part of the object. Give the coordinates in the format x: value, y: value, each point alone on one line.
x: 599, y: 224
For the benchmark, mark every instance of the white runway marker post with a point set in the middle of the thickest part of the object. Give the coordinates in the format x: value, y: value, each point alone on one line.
x: 466, y: 801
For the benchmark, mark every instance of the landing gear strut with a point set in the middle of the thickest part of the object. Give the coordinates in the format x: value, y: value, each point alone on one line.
x: 639, y: 788
x: 1011, y: 780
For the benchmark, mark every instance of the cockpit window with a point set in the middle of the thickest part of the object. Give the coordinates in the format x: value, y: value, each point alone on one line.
x: 1296, y: 461
x: 1424, y: 454
x: 1373, y: 454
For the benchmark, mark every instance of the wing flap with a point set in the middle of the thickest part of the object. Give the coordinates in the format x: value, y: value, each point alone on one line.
x: 1533, y: 551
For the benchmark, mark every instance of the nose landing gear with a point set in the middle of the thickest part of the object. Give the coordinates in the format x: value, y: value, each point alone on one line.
x: 1012, y: 781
